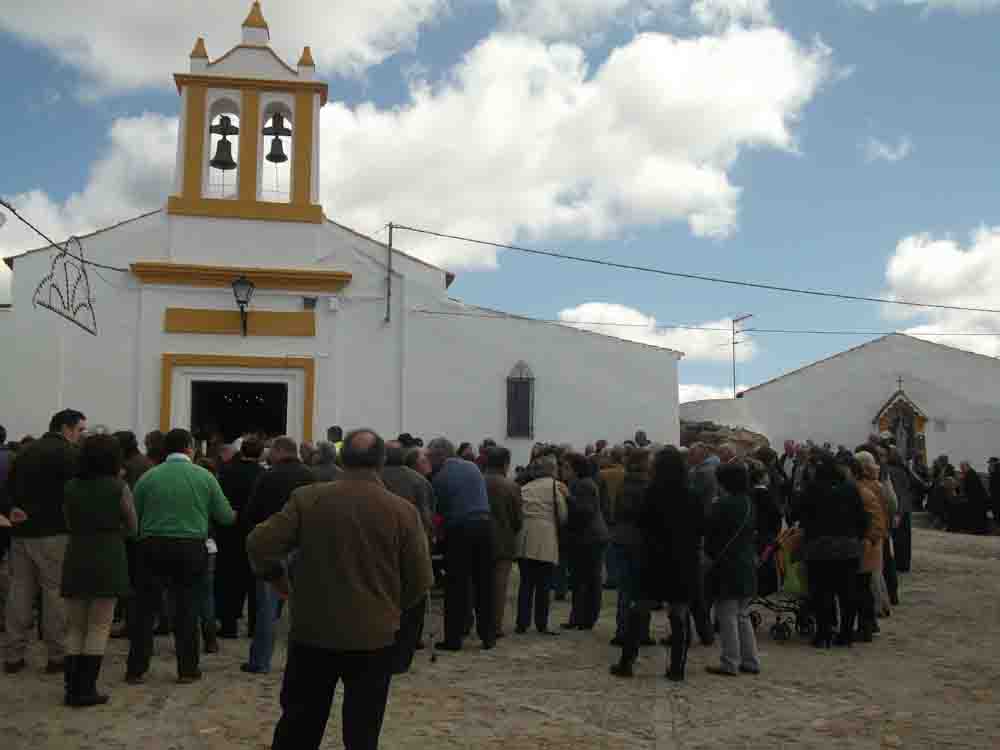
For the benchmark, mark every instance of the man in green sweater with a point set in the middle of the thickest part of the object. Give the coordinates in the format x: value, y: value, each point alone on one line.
x: 175, y: 503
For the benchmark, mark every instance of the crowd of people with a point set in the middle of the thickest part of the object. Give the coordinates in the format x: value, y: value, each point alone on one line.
x: 356, y: 531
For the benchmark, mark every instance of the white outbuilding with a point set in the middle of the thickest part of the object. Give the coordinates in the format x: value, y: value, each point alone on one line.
x: 340, y: 330
x: 931, y: 397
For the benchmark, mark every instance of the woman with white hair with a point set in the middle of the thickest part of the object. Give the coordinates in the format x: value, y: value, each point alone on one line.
x: 545, y: 510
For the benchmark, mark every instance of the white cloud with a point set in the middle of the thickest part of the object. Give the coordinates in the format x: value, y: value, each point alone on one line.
x: 525, y: 140
x: 876, y: 150
x: 942, y: 271
x: 629, y: 323
x: 929, y: 6
x: 131, y: 177
x: 722, y: 13
x: 698, y: 392
x: 522, y: 141
x: 574, y: 19
x: 142, y: 42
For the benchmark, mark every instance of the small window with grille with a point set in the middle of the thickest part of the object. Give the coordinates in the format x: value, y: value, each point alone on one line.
x: 521, y: 402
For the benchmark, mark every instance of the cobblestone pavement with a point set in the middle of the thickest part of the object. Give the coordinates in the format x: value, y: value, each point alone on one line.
x: 929, y: 681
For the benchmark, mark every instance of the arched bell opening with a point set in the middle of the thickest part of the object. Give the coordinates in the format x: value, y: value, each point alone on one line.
x: 224, y: 150
x: 276, y: 155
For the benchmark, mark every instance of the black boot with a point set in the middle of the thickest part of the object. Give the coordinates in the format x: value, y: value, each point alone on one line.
x: 209, y: 632
x: 70, y: 679
x: 89, y: 667
x: 680, y: 631
x: 630, y: 649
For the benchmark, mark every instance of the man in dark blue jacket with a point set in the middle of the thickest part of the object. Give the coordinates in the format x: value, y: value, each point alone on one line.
x: 468, y: 525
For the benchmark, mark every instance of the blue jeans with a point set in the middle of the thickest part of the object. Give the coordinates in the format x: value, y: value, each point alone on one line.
x: 262, y: 646
x: 206, y: 597
x: 627, y: 562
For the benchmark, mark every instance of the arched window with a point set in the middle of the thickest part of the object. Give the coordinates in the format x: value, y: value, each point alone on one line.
x: 224, y: 150
x: 276, y: 163
x: 521, y: 402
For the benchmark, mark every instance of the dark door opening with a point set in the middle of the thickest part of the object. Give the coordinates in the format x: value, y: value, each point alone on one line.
x: 235, y: 409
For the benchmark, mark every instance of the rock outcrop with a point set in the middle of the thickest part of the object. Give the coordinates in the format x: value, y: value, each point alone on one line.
x: 743, y: 441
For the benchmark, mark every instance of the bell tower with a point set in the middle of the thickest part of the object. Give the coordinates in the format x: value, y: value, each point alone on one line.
x: 248, y: 146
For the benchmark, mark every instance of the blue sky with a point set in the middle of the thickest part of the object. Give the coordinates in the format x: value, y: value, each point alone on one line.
x: 834, y: 144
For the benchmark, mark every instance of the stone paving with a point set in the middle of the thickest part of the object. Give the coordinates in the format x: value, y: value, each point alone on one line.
x: 930, y: 681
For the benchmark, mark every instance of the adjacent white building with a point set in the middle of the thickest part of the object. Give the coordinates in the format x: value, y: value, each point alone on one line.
x: 340, y: 329
x: 932, y: 397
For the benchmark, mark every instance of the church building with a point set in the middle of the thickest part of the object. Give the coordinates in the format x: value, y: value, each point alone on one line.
x: 240, y: 305
x: 933, y: 399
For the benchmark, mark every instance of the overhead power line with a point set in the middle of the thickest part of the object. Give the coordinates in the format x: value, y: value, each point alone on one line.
x: 56, y: 245
x: 686, y: 327
x: 696, y: 276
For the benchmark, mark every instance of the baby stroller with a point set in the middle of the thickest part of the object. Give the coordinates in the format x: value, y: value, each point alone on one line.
x: 784, y: 589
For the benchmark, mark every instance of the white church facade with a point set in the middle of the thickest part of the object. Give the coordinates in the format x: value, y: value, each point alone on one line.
x: 340, y: 329
x: 932, y: 398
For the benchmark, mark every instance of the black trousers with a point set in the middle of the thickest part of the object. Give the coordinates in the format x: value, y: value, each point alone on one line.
x: 889, y: 570
x: 535, y: 591
x: 233, y: 577
x: 586, y: 564
x: 866, y: 601
x: 833, y: 582
x: 176, y: 566
x: 311, y: 678
x: 902, y: 542
x: 411, y: 629
x: 469, y: 560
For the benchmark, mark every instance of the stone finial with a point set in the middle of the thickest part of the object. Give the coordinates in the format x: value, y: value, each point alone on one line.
x: 255, y: 18
x: 255, y: 28
x: 199, y: 51
x: 307, y: 58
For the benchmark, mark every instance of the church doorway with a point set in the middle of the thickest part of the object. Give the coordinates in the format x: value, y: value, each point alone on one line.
x: 233, y: 408
x: 905, y: 422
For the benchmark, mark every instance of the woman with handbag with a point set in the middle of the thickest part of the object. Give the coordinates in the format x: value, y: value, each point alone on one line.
x: 731, y: 570
x: 543, y: 502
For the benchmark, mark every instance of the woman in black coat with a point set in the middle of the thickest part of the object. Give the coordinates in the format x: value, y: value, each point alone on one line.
x: 672, y: 524
x: 833, y: 520
x: 586, y: 541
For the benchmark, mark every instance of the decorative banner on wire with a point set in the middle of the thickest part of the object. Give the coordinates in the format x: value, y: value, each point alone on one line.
x: 65, y: 290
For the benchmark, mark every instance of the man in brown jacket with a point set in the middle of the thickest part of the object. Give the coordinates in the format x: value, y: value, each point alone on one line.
x: 362, y: 559
x: 508, y: 517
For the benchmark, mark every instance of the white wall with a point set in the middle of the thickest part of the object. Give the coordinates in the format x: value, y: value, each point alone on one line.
x: 424, y: 374
x: 837, y: 399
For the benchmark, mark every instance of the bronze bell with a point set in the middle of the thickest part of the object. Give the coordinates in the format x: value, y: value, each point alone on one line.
x: 223, y: 158
x: 277, y: 153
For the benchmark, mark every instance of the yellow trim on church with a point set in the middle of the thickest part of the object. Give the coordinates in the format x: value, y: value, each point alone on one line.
x: 284, y: 279
x: 227, y: 322
x: 307, y: 58
x: 171, y: 361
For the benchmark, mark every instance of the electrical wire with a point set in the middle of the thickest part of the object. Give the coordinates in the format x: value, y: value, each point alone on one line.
x: 684, y: 327
x: 56, y: 245
x: 695, y: 276
x: 504, y: 316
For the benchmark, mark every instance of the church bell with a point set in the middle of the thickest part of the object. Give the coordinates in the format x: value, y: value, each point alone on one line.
x: 223, y: 159
x: 277, y: 153
x: 277, y: 128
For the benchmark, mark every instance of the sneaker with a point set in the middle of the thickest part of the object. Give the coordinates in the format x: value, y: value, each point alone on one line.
x: 13, y: 667
x: 749, y: 670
